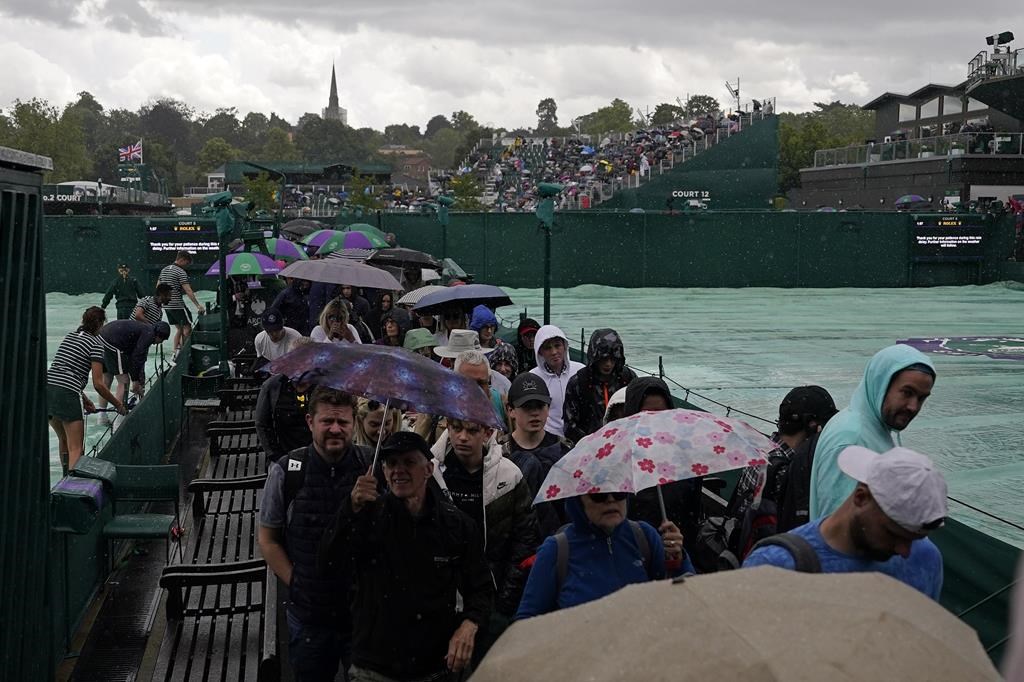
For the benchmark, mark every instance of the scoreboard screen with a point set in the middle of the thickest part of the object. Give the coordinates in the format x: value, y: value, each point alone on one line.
x: 169, y: 235
x: 948, y: 238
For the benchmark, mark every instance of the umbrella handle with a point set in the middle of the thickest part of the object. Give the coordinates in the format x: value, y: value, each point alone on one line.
x: 661, y: 503
x: 380, y: 438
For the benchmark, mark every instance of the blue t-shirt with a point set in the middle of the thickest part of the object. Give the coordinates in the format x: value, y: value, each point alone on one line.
x: 922, y: 570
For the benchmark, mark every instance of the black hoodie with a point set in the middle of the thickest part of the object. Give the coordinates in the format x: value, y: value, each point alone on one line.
x: 682, y: 498
x: 587, y: 394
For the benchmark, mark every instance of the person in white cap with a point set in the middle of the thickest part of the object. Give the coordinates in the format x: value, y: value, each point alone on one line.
x: 882, y: 526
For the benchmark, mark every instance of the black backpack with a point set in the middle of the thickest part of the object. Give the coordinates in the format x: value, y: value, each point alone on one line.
x: 715, y: 547
x: 562, y: 556
x: 790, y: 484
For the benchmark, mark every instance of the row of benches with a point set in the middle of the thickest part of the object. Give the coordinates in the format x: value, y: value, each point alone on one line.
x: 221, y: 601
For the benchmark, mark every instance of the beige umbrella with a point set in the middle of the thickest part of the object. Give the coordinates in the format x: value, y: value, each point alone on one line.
x: 755, y: 625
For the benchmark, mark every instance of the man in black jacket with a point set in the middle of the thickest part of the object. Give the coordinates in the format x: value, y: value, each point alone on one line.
x: 281, y: 417
x: 411, y: 551
x: 300, y: 498
x: 125, y: 350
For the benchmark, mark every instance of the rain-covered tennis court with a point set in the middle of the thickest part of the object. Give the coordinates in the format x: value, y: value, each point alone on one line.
x: 747, y: 347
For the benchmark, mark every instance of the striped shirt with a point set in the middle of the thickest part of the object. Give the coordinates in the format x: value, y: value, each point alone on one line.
x: 151, y: 310
x: 177, y: 278
x: 72, y: 364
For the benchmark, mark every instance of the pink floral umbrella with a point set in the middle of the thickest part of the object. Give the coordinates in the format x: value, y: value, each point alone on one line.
x: 651, y: 449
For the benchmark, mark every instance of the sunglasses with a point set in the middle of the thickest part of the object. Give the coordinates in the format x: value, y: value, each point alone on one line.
x: 604, y: 497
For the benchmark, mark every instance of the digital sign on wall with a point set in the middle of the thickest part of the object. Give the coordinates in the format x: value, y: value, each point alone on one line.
x: 948, y: 238
x: 166, y: 236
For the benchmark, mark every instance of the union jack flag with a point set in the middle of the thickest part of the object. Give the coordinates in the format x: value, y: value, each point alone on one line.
x: 132, y: 152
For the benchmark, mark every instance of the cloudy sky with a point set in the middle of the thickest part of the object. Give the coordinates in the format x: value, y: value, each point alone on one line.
x: 403, y: 61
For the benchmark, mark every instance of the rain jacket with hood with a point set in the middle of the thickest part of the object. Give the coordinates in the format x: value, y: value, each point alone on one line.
x: 682, y: 498
x: 508, y: 521
x: 527, y: 358
x: 598, y: 564
x: 556, y: 383
x: 859, y: 424
x: 588, y: 393
x: 482, y: 317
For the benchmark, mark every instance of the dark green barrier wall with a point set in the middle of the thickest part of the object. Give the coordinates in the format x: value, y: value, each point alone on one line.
x: 25, y: 609
x: 81, y: 253
x: 77, y: 563
x: 738, y: 172
x: 700, y: 249
x: 703, y: 249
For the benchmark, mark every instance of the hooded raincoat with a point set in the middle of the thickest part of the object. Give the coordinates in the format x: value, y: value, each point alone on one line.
x: 859, y: 424
x: 588, y: 393
x: 556, y: 383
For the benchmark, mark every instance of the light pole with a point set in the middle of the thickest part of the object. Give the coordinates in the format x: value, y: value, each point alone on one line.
x: 545, y: 212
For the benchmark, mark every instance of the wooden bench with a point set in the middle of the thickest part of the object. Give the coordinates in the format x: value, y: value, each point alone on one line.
x: 225, y: 519
x: 239, y: 398
x: 221, y: 623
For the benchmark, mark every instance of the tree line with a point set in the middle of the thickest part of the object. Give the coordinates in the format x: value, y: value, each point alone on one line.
x: 182, y: 144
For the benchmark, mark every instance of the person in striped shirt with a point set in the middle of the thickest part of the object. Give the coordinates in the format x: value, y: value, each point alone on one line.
x: 78, y: 356
x: 150, y: 309
x: 177, y: 314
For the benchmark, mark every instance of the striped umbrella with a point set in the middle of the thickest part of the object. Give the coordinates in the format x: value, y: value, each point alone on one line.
x: 246, y: 263
x: 279, y: 249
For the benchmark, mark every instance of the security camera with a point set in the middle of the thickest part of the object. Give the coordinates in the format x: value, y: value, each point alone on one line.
x: 1000, y: 38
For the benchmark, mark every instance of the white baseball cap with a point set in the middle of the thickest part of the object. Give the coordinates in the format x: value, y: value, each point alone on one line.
x: 905, y: 484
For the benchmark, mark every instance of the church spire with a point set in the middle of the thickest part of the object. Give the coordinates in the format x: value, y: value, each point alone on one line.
x: 333, y: 101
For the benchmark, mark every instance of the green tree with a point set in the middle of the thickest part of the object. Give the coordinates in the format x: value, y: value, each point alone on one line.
x: 698, y: 105
x: 666, y: 113
x: 223, y: 124
x: 436, y: 124
x: 617, y: 117
x: 278, y: 147
x: 547, y: 116
x: 36, y: 126
x: 467, y: 191
x: 831, y: 125
x: 464, y: 122
x: 171, y: 122
x: 442, y: 147
x: 401, y: 133
x: 261, y: 190
x: 360, y: 193
x: 253, y: 133
x: 330, y: 141
x: 216, y: 152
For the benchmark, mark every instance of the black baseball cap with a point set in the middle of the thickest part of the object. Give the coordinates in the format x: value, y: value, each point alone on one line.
x: 813, y: 401
x: 527, y: 387
x: 272, y: 321
x: 405, y: 441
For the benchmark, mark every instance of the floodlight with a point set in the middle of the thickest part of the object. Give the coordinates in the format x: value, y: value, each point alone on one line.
x: 1000, y: 38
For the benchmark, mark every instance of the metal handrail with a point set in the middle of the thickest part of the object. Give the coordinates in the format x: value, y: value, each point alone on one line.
x: 971, y: 143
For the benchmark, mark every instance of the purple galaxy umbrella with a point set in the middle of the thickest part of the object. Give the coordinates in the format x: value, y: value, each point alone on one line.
x: 392, y: 376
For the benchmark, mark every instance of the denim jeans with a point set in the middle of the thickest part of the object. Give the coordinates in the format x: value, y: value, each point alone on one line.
x: 316, y: 652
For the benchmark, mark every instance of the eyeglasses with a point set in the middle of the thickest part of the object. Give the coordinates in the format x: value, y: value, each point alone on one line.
x: 604, y: 497
x: 333, y: 318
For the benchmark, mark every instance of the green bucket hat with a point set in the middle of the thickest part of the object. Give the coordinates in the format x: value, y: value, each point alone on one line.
x: 419, y: 338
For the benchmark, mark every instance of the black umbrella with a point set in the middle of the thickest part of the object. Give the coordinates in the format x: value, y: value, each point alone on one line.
x: 404, y: 257
x: 299, y: 228
x: 464, y: 297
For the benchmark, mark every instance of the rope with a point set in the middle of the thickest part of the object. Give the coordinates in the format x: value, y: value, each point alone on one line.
x: 998, y: 592
x: 988, y: 514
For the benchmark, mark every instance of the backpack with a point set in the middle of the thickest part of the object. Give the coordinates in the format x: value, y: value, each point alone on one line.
x: 562, y: 555
x: 723, y: 542
x: 715, y: 545
x: 791, y: 485
x: 804, y: 557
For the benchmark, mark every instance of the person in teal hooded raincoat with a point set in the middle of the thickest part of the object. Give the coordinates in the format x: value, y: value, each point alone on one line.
x: 896, y: 383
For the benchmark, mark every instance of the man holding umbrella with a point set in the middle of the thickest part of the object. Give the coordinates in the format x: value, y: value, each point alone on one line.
x: 412, y: 555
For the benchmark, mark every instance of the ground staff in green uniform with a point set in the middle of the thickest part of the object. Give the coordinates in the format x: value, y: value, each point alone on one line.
x: 125, y: 291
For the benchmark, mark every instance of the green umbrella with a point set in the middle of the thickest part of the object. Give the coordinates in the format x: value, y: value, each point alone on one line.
x: 351, y: 240
x: 367, y: 228
x: 282, y: 249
